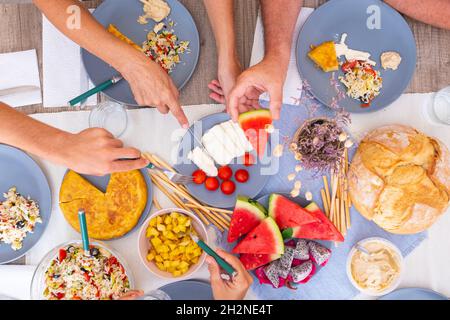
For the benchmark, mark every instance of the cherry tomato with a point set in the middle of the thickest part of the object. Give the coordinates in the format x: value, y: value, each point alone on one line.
x: 225, y: 173
x: 212, y: 183
x: 228, y: 187
x: 199, y: 176
x: 371, y: 71
x: 349, y: 65
x: 62, y: 255
x: 59, y: 295
x: 241, y: 176
x: 249, y: 160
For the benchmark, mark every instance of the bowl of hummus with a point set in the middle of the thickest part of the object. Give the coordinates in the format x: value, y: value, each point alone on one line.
x: 374, y: 266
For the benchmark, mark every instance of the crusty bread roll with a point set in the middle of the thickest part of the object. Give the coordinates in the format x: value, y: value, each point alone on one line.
x: 400, y: 179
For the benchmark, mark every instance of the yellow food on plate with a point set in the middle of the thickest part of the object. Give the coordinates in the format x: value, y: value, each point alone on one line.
x: 400, y: 179
x: 325, y: 57
x: 108, y: 215
x: 156, y: 10
x: 116, y: 32
x: 172, y: 249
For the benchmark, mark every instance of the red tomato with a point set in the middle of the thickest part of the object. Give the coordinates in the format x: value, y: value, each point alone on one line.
x: 62, y: 255
x: 349, y: 65
x: 241, y: 176
x: 212, y: 183
x: 248, y: 160
x: 228, y: 187
x: 59, y: 295
x: 225, y: 173
x: 199, y: 176
x: 371, y: 71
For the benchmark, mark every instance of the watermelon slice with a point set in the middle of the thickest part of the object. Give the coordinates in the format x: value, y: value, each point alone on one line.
x: 247, y: 215
x: 264, y: 239
x: 287, y: 213
x: 253, y: 261
x: 323, y: 230
x: 254, y: 123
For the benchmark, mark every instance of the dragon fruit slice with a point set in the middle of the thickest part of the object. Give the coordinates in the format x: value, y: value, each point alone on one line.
x: 319, y: 253
x: 302, y: 273
x: 263, y: 279
x: 272, y: 273
x: 287, y: 257
x: 301, y: 251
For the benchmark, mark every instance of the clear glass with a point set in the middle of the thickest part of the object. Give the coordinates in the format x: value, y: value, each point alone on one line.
x: 111, y: 116
x: 38, y: 280
x: 439, y: 109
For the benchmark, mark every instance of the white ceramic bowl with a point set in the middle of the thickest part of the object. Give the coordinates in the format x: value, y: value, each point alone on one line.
x: 393, y: 285
x: 144, y: 244
x: 38, y: 281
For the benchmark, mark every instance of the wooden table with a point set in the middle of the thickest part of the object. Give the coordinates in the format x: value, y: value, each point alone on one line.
x: 21, y: 29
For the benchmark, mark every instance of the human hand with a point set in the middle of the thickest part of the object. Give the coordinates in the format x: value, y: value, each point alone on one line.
x: 152, y: 86
x: 234, y: 289
x: 95, y: 151
x: 266, y: 76
x: 132, y: 295
x: 228, y: 71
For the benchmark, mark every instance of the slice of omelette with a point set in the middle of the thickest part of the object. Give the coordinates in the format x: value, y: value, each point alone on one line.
x: 116, y: 32
x: 325, y: 57
x: 108, y: 215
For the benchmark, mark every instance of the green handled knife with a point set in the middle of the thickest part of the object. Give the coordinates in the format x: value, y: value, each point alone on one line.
x: 101, y: 87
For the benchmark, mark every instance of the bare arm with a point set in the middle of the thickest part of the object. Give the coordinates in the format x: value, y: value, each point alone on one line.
x: 433, y: 12
x: 150, y: 84
x: 93, y: 151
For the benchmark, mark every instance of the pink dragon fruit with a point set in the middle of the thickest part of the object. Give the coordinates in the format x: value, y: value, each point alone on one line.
x: 262, y: 275
x: 302, y: 273
x: 301, y: 251
x: 319, y: 253
x: 286, y: 259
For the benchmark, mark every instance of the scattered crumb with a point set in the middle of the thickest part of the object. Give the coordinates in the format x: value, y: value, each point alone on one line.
x: 342, y: 137
x: 348, y: 143
x: 295, y: 193
x: 298, y: 168
x: 298, y: 184
x: 278, y: 151
x: 298, y: 156
x: 291, y: 177
x: 308, y: 196
x: 293, y: 146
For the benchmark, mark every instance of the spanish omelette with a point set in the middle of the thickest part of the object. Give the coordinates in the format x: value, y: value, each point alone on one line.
x: 111, y: 214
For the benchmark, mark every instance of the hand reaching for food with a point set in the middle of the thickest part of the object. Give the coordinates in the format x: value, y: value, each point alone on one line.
x: 234, y: 289
x: 266, y: 76
x: 228, y: 71
x: 95, y: 151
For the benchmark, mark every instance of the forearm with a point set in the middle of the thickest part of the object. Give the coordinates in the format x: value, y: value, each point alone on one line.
x: 28, y: 134
x: 220, y: 15
x: 278, y: 32
x: 433, y: 12
x: 88, y: 34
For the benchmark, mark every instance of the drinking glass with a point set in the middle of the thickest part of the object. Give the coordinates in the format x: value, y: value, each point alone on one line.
x: 111, y: 116
x: 439, y: 109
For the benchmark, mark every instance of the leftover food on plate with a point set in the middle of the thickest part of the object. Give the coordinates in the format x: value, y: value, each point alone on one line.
x: 400, y: 179
x: 156, y: 10
x: 325, y: 56
x: 390, y: 60
x: 361, y: 80
x: 350, y: 54
x: 72, y: 275
x: 172, y: 249
x: 164, y: 47
x: 111, y: 214
x: 18, y: 217
x: 377, y: 270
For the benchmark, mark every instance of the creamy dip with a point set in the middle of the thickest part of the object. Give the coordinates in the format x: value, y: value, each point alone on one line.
x: 343, y: 50
x: 390, y: 60
x: 154, y: 9
x: 378, y: 270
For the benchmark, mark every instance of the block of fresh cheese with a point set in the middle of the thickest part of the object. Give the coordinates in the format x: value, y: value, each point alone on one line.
x: 202, y: 160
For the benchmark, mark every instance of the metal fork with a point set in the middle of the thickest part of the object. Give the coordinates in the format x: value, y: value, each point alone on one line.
x: 173, y: 176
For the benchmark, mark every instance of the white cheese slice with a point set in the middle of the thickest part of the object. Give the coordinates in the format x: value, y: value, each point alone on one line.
x: 232, y: 135
x: 242, y: 138
x: 214, y: 142
x: 202, y: 160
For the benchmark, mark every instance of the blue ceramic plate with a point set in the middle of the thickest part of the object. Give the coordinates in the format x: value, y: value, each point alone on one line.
x: 336, y: 17
x: 124, y: 15
x: 251, y: 188
x: 19, y: 170
x: 413, y: 294
x: 101, y: 183
x: 188, y: 290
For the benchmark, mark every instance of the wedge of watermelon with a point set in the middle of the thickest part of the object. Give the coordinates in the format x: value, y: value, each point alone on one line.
x: 287, y: 213
x: 254, y: 123
x: 264, y: 239
x: 323, y: 230
x: 247, y: 215
x: 253, y: 261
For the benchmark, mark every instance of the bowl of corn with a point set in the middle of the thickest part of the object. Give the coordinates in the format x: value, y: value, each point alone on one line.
x: 165, y: 246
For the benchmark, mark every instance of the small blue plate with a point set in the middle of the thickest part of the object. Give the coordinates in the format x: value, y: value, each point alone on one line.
x: 414, y: 294
x: 251, y: 188
x: 124, y: 15
x: 189, y: 290
x: 101, y: 183
x: 336, y: 17
x: 17, y: 169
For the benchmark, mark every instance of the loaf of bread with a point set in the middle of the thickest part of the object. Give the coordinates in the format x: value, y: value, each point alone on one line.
x: 400, y: 179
